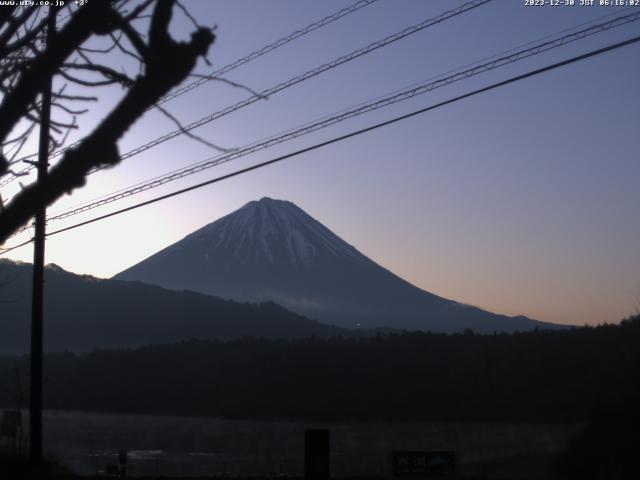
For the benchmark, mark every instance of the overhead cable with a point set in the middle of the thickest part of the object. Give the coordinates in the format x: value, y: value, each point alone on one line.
x: 283, y: 85
x: 415, y: 90
x: 493, y: 86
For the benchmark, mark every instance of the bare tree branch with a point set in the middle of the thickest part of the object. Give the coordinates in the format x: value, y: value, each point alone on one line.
x: 166, y: 64
x: 82, y: 25
x: 103, y: 70
x: 190, y: 134
x: 232, y: 83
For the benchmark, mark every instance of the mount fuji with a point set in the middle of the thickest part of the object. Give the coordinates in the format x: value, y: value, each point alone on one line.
x: 271, y: 250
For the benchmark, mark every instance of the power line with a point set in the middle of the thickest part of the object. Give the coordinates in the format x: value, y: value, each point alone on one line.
x: 268, y: 48
x: 7, y: 250
x: 286, y: 84
x: 454, y: 70
x: 307, y: 75
x: 358, y: 132
x: 237, y: 63
x: 360, y: 110
x: 260, y: 144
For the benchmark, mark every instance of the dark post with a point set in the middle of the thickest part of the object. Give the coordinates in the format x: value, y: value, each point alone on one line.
x: 316, y: 454
x: 35, y: 412
x: 122, y: 459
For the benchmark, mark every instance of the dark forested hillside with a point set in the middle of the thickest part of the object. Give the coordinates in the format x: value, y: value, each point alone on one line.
x: 83, y: 313
x: 550, y: 375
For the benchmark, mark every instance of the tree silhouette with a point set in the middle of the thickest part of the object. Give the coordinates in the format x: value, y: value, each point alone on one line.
x: 27, y: 61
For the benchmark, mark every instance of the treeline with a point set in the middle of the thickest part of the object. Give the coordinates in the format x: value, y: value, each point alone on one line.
x: 540, y: 375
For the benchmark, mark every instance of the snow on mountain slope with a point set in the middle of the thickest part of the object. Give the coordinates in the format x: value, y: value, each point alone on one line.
x: 272, y: 250
x: 260, y: 224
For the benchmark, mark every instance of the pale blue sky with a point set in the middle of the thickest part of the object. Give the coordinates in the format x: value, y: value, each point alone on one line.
x: 522, y: 200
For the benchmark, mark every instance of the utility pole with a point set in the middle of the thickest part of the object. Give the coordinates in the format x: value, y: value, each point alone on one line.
x: 35, y: 412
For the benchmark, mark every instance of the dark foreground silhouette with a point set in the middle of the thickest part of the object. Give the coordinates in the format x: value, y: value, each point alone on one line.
x: 540, y: 375
x: 584, y: 374
x: 607, y: 448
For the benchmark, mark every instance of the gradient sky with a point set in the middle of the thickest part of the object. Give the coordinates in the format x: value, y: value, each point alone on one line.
x: 522, y: 200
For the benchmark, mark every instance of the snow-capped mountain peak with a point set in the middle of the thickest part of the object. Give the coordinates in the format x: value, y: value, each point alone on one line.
x: 272, y: 250
x: 276, y: 229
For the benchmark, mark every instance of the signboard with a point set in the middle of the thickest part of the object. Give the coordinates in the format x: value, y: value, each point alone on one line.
x: 440, y: 464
